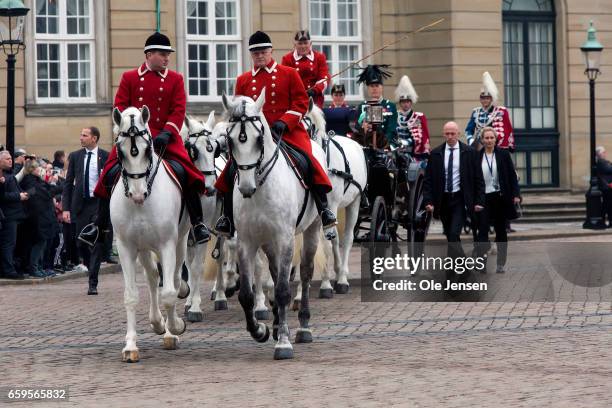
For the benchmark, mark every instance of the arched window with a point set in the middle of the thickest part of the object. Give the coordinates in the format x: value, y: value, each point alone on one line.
x: 530, y: 87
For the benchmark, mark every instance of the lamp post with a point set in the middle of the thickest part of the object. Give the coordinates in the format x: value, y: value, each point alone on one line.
x: 591, y: 50
x: 12, y: 19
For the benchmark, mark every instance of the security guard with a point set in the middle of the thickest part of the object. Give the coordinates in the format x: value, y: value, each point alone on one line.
x: 163, y: 92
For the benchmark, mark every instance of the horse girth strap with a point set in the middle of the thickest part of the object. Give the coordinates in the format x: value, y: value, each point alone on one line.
x: 346, y: 174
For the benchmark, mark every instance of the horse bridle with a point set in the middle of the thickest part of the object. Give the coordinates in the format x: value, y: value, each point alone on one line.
x: 193, y: 151
x: 310, y: 127
x: 261, y: 171
x: 133, y: 132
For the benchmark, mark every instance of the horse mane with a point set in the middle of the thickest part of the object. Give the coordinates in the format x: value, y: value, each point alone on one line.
x: 318, y: 118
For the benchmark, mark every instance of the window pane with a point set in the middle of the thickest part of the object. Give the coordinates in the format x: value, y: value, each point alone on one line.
x: 79, y: 71
x: 347, y: 18
x: 225, y: 17
x: 198, y: 67
x: 527, y: 5
x: 541, y: 74
x: 46, y: 17
x: 227, y: 67
x: 320, y: 17
x: 197, y: 15
x: 514, y: 77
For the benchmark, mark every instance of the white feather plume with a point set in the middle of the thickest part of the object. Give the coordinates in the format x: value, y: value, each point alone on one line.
x: 405, y: 90
x: 489, y: 87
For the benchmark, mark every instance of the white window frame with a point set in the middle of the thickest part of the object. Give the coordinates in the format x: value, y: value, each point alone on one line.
x: 64, y: 39
x: 212, y: 40
x: 335, y: 41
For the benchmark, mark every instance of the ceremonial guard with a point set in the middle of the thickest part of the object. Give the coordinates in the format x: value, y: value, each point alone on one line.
x: 490, y: 114
x: 285, y: 104
x: 339, y: 115
x: 377, y: 115
x: 311, y: 66
x: 411, y: 125
x: 163, y: 92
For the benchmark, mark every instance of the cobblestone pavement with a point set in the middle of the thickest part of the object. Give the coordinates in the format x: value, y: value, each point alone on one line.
x: 364, y: 354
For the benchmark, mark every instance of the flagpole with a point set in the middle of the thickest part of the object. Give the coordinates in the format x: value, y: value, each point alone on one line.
x: 158, y: 12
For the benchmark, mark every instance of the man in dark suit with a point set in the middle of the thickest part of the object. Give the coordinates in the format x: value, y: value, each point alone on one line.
x: 453, y: 183
x: 80, y: 204
x: 604, y: 176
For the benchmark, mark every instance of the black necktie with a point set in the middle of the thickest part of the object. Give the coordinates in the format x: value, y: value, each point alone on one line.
x: 86, y: 179
x: 449, y: 172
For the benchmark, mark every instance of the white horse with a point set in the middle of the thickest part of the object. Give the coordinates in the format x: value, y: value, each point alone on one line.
x: 268, y: 200
x: 344, y: 159
x: 148, y: 219
x: 202, y: 148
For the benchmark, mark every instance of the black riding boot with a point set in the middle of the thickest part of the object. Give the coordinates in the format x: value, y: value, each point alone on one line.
x: 91, y: 233
x: 194, y: 207
x: 328, y: 218
x: 225, y: 224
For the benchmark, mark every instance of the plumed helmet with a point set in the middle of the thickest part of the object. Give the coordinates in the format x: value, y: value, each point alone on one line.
x: 405, y: 90
x: 488, y: 87
x: 374, y: 74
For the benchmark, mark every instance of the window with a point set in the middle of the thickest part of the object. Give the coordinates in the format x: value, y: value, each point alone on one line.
x: 213, y: 48
x: 530, y: 88
x: 64, y: 51
x: 336, y: 31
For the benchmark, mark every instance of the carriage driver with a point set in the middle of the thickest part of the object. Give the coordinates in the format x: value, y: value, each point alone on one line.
x: 162, y: 91
x: 285, y: 104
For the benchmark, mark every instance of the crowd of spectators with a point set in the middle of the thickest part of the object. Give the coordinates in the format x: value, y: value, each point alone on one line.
x: 35, y: 240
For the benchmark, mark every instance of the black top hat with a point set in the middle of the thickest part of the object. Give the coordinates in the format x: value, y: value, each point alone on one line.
x: 374, y: 74
x: 302, y: 35
x: 158, y: 41
x: 259, y: 41
x: 338, y: 88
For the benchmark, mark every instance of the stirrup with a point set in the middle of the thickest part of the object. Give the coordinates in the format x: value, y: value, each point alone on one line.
x: 203, y: 239
x: 224, y: 226
x: 328, y: 218
x: 89, y: 235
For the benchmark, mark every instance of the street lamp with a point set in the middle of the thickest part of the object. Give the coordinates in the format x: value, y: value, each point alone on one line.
x: 591, y: 50
x: 12, y: 20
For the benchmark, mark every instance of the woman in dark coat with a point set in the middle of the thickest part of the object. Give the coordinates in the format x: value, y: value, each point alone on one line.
x: 501, y: 194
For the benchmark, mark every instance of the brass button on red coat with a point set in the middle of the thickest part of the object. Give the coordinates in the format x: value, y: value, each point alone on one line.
x: 161, y: 89
x: 141, y: 78
x: 141, y: 89
x: 140, y: 99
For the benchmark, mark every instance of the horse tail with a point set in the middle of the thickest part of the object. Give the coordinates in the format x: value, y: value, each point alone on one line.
x: 320, y: 259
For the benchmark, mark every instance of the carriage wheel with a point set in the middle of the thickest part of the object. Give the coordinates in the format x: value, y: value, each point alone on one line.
x: 420, y: 218
x: 379, y: 225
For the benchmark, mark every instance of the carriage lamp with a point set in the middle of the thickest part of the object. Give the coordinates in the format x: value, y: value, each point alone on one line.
x: 12, y: 21
x: 374, y: 114
x: 591, y: 50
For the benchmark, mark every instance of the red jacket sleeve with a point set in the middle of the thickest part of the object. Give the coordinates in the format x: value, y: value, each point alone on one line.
x: 122, y: 97
x: 298, y: 104
x: 287, y: 60
x: 508, y: 129
x: 239, y: 88
x: 178, y: 103
x: 322, y: 74
x: 424, y: 148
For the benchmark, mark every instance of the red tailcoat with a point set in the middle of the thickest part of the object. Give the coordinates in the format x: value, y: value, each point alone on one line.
x: 164, y: 95
x: 286, y: 100
x: 313, y: 71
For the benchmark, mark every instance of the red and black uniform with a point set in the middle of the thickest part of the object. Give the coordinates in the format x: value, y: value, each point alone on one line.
x: 286, y: 100
x: 164, y: 94
x: 313, y: 70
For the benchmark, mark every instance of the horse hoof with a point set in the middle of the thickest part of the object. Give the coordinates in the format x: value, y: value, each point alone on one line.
x: 229, y: 292
x: 261, y: 338
x: 182, y: 290
x: 296, y: 305
x: 262, y: 315
x: 303, y: 336
x: 158, y: 332
x: 213, y: 295
x: 130, y: 356
x: 341, y: 288
x: 283, y: 353
x: 326, y: 293
x: 171, y: 343
x: 179, y: 332
x: 195, y: 316
x: 220, y: 305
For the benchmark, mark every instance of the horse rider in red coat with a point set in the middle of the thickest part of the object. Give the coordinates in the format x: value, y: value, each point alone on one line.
x: 163, y: 92
x: 310, y: 64
x: 285, y: 105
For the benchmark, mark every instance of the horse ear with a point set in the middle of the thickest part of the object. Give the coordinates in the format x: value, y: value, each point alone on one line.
x: 117, y: 117
x: 146, y: 114
x: 211, y: 120
x: 259, y: 103
x: 225, y: 101
x: 310, y: 104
